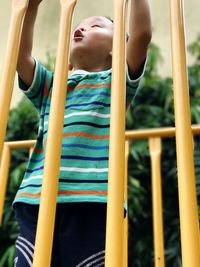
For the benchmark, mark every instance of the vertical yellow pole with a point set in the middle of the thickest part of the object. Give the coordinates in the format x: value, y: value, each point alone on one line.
x: 186, y: 177
x: 9, y: 68
x: 155, y: 153
x: 125, y: 238
x: 114, y: 230
x: 4, y: 170
x: 45, y: 228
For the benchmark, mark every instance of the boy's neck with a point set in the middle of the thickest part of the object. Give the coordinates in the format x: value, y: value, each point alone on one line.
x: 92, y: 65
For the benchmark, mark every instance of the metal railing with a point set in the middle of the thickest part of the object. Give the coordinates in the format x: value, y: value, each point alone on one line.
x: 114, y: 235
x: 155, y: 136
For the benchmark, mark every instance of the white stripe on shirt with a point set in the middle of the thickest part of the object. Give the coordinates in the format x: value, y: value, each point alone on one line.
x: 90, y: 113
x: 72, y: 169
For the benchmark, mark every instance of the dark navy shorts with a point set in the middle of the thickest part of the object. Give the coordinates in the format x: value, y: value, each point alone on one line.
x: 79, y: 235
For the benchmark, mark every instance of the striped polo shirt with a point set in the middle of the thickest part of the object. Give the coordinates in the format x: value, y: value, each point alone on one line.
x: 85, y: 145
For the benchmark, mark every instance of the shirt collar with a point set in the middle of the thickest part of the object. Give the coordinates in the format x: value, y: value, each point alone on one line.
x: 79, y: 72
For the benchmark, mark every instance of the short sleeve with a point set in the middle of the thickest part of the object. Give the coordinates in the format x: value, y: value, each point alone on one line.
x: 41, y: 86
x: 132, y: 86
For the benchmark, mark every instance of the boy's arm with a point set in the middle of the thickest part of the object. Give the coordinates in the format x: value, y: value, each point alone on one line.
x: 139, y: 36
x: 26, y: 63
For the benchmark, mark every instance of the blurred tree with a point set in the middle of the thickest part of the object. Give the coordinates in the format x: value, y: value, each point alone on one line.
x: 22, y: 125
x: 153, y: 107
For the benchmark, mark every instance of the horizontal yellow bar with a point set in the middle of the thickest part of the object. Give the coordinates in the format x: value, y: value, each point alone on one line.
x: 130, y: 135
x: 20, y: 144
x: 156, y: 132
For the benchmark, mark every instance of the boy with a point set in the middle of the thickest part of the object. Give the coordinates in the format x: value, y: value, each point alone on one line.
x: 79, y: 235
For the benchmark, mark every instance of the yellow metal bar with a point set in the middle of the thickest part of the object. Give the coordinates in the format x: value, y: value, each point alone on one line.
x: 125, y: 247
x: 114, y: 229
x: 5, y: 164
x: 157, y: 132
x: 130, y: 135
x: 190, y: 241
x: 10, y: 62
x: 45, y: 227
x: 4, y: 170
x: 126, y: 170
x: 147, y: 133
x: 20, y: 144
x: 155, y: 154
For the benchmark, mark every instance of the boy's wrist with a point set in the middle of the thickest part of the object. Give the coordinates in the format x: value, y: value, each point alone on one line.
x: 34, y: 3
x: 32, y: 8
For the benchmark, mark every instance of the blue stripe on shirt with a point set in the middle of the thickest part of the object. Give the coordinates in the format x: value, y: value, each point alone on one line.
x: 87, y: 95
x: 77, y: 146
x: 87, y: 104
x: 84, y: 158
x: 68, y: 181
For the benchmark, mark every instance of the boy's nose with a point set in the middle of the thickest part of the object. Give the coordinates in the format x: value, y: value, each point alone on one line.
x: 78, y: 33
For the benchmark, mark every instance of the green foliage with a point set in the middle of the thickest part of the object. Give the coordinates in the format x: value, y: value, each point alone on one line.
x: 194, y: 49
x: 194, y: 79
x: 50, y: 60
x: 22, y: 125
x: 23, y: 122
x: 153, y: 107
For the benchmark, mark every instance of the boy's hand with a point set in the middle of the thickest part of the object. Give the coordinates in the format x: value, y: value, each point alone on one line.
x: 26, y: 63
x: 34, y: 2
x: 139, y: 36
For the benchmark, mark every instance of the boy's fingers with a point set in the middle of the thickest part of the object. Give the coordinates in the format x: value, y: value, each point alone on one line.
x: 36, y: 1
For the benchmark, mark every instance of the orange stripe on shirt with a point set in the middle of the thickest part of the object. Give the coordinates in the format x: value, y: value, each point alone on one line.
x: 37, y: 150
x: 28, y: 195
x: 86, y: 135
x: 65, y: 192
x: 89, y: 86
x: 46, y: 93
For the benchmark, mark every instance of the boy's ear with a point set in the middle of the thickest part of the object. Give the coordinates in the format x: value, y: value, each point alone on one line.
x: 70, y: 67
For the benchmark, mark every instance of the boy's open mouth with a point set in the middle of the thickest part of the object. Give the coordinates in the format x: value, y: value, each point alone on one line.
x: 78, y: 35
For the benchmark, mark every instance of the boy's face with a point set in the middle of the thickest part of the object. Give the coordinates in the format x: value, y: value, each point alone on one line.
x: 91, y: 38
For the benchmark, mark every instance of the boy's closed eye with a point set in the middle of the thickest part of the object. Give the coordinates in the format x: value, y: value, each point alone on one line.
x: 93, y: 26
